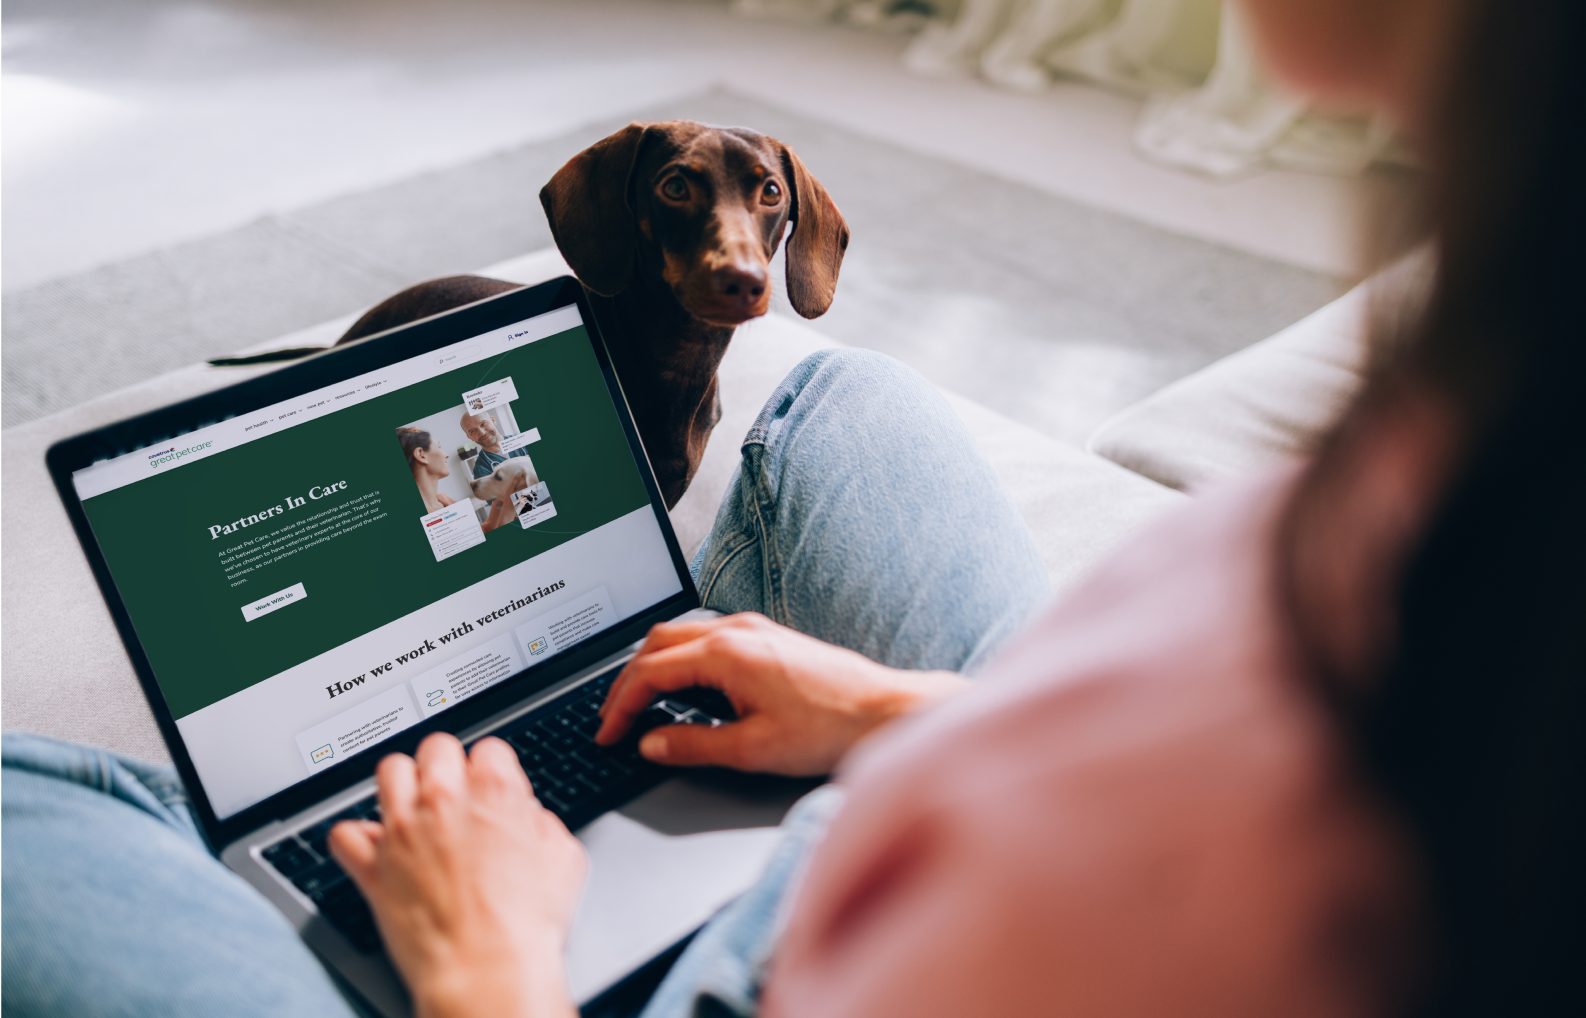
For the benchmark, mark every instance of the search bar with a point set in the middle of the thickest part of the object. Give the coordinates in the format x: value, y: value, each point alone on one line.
x: 456, y: 356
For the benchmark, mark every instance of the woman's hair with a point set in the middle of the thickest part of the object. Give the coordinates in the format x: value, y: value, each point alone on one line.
x: 413, y: 439
x: 1472, y: 726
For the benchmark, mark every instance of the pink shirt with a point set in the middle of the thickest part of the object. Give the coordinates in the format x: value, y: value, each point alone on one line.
x: 1144, y: 812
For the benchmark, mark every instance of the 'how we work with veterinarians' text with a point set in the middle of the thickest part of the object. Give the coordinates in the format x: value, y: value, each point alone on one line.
x: 457, y: 632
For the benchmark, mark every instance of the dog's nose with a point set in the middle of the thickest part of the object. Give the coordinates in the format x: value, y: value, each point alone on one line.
x: 742, y: 281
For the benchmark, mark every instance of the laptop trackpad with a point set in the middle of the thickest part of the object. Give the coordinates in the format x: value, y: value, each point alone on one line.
x: 664, y: 864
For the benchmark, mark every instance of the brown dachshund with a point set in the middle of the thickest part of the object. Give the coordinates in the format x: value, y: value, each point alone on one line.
x: 671, y: 228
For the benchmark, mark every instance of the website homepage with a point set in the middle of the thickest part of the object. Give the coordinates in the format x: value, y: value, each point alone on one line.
x: 314, y: 578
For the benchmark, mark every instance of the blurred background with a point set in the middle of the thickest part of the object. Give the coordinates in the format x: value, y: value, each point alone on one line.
x: 1058, y: 206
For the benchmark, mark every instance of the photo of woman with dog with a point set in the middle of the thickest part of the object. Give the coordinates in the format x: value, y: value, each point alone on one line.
x: 428, y: 462
x: 475, y: 470
x: 441, y: 466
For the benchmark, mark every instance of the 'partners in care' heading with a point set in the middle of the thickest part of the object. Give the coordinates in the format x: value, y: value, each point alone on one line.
x: 316, y: 492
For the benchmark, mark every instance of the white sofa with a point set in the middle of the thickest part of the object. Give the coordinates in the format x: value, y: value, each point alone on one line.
x: 66, y: 674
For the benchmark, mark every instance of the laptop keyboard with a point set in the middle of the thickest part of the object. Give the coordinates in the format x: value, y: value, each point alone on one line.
x: 574, y: 778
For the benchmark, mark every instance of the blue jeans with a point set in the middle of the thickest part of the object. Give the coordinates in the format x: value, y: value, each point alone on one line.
x: 862, y: 513
x: 115, y: 906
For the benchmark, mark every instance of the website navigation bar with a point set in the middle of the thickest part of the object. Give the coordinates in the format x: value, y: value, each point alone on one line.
x: 134, y: 466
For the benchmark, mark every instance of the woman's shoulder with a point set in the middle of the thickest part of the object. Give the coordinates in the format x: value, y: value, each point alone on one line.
x: 1145, y: 766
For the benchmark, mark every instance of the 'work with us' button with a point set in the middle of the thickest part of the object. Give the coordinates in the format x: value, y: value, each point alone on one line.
x: 279, y: 599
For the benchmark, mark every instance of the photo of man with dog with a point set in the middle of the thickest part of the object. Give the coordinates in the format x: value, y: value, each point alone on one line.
x: 495, y: 477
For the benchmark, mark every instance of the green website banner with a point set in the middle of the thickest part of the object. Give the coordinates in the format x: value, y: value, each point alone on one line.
x: 336, y: 509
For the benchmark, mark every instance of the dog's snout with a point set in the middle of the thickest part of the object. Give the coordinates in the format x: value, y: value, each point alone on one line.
x: 744, y: 280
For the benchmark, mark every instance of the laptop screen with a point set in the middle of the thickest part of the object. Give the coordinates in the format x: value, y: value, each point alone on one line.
x: 314, y: 577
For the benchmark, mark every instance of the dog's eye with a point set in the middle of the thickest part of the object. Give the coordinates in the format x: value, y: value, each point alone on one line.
x: 675, y: 188
x: 771, y: 193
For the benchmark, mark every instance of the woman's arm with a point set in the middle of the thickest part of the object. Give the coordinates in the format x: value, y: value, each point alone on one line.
x: 472, y: 882
x: 802, y: 704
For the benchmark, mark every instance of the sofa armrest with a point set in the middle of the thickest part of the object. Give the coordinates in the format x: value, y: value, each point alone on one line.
x: 1269, y: 403
x: 1254, y: 409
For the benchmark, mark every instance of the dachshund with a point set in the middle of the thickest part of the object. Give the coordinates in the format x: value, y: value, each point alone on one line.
x: 671, y: 228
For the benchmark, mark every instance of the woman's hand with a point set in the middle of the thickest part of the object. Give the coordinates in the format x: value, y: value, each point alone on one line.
x: 801, y: 703
x: 472, y: 881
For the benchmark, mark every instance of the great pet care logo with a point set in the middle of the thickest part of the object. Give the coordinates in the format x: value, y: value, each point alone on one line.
x: 165, y: 457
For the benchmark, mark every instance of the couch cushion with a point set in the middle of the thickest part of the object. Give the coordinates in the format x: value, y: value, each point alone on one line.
x: 1251, y: 410
x: 1269, y: 403
x: 67, y: 675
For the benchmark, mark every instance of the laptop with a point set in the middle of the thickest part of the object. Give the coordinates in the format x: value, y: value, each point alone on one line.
x: 451, y: 526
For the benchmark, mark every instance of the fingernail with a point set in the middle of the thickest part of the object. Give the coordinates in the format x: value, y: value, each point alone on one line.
x: 653, y: 746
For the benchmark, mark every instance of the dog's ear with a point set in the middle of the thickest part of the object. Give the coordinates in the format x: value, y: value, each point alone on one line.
x: 820, y: 236
x: 591, y: 218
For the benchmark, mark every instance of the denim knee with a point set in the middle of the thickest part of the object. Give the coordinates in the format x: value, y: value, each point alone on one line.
x: 156, y: 789
x: 825, y: 372
x: 860, y: 490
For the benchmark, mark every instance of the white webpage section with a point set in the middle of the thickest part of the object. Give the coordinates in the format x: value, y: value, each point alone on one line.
x: 452, y: 529
x: 467, y: 674
x: 205, y: 442
x: 372, y: 721
x: 568, y: 623
x: 245, y: 747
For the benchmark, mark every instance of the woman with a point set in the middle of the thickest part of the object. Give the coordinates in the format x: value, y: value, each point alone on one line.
x: 429, y: 464
x: 1310, y: 747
